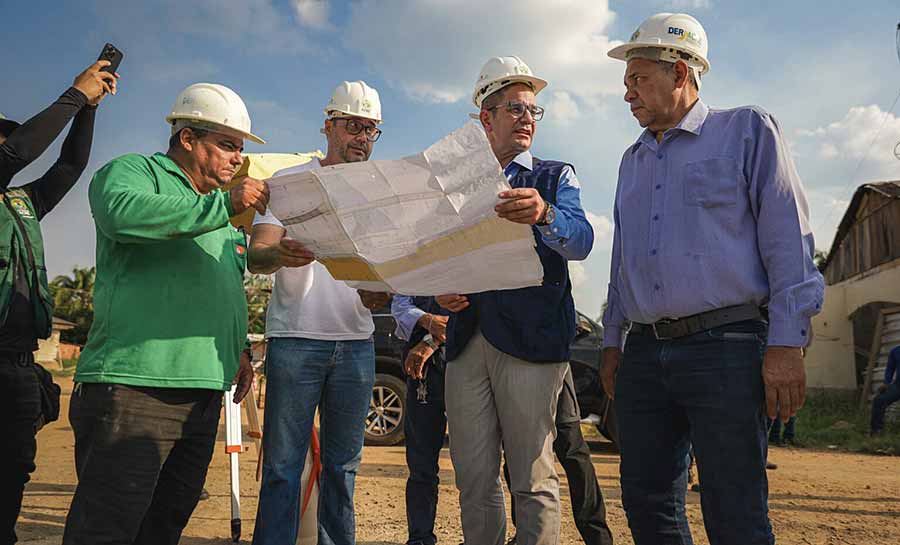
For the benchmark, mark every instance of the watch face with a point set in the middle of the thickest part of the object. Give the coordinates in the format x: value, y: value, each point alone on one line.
x: 551, y: 215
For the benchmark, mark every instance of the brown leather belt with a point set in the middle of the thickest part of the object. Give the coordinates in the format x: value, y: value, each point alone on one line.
x: 689, y: 325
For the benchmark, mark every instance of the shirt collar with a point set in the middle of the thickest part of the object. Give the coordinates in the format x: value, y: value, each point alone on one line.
x: 524, y: 160
x: 169, y: 165
x: 692, y: 122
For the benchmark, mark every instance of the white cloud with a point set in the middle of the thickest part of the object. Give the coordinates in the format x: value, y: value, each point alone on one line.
x: 312, y: 13
x: 436, y: 47
x: 835, y: 158
x: 603, y: 229
x: 562, y: 109
x: 577, y: 274
x: 857, y: 136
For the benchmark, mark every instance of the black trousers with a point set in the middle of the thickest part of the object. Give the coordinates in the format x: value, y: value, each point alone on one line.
x: 141, y: 455
x: 20, y: 403
x: 424, y: 427
x: 573, y: 453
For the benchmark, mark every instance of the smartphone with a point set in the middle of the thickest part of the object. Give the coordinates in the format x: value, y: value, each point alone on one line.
x: 112, y: 54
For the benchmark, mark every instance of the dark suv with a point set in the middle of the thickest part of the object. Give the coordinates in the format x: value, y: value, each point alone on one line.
x: 384, y: 422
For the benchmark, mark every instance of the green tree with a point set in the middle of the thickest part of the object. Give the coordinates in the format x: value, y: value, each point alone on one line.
x: 73, y: 299
x: 259, y: 290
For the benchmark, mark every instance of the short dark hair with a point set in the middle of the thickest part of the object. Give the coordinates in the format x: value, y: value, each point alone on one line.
x: 175, y: 139
x: 7, y: 126
x: 670, y: 67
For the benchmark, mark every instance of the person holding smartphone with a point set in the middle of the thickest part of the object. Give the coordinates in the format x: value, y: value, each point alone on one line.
x: 26, y: 306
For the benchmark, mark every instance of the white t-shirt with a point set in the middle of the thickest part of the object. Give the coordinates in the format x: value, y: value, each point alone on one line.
x: 307, y: 302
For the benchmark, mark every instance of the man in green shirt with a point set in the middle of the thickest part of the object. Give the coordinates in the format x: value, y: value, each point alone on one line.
x: 169, y: 326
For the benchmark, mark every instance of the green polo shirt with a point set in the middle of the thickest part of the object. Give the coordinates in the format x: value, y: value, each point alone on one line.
x: 169, y: 303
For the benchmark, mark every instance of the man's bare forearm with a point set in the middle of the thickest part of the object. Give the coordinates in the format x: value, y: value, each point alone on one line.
x: 263, y: 259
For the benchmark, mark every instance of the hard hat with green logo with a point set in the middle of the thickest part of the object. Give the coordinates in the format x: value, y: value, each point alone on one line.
x: 498, y: 72
x: 672, y: 37
x: 356, y: 99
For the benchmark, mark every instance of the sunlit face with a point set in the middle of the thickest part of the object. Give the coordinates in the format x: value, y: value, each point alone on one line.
x: 650, y: 91
x: 508, y: 134
x: 218, y: 157
x: 351, y: 148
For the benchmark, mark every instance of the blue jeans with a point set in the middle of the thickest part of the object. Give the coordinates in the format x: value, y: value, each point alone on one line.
x: 302, y: 374
x: 880, y: 404
x: 706, y: 390
x: 424, y: 427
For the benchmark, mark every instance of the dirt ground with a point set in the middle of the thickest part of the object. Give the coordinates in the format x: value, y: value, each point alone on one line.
x: 815, y: 497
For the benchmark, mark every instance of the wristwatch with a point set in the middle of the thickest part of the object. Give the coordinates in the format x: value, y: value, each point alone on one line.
x: 429, y: 340
x: 549, y: 215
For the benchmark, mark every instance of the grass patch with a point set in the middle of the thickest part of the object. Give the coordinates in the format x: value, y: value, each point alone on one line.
x: 832, y: 420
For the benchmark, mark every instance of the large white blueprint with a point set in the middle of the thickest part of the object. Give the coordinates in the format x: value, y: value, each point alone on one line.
x: 422, y: 225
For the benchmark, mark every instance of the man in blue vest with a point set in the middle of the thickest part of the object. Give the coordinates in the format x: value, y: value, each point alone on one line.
x: 508, y: 351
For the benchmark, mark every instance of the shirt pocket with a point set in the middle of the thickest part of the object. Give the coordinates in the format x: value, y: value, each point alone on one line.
x: 712, y: 183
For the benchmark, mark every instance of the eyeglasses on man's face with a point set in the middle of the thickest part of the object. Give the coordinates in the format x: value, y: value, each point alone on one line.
x: 517, y: 109
x: 354, y: 127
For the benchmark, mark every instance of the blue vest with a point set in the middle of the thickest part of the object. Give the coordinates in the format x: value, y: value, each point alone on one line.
x: 535, y: 324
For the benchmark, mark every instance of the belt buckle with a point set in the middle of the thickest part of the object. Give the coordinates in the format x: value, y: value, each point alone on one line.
x: 656, y: 333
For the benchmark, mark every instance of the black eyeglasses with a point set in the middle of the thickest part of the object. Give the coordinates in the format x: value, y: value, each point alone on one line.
x: 355, y: 127
x: 517, y: 109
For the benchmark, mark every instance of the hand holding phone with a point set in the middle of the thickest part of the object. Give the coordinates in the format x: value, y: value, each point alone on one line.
x: 99, y: 79
x: 112, y: 54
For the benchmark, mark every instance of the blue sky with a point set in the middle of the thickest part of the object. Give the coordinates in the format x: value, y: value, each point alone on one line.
x: 828, y: 73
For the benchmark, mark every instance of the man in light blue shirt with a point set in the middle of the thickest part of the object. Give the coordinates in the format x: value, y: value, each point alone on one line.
x: 712, y: 271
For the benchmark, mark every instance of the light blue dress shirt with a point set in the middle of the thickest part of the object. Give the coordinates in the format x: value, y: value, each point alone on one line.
x: 570, y: 235
x: 406, y: 314
x: 715, y: 215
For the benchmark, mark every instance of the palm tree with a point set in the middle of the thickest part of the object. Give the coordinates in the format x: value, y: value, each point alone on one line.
x: 73, y: 299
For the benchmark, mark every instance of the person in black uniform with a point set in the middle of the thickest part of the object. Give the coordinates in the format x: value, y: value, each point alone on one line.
x: 26, y: 307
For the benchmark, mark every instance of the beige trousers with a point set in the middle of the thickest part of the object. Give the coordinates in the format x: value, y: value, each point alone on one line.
x: 497, y: 401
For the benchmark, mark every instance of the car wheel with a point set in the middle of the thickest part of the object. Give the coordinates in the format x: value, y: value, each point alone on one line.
x: 387, y: 409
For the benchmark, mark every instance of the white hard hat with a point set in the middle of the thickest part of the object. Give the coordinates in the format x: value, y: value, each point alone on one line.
x: 676, y: 36
x: 498, y: 72
x: 212, y: 107
x: 354, y: 98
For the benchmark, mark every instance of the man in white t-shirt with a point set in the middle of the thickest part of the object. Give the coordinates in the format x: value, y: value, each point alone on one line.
x: 320, y: 354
